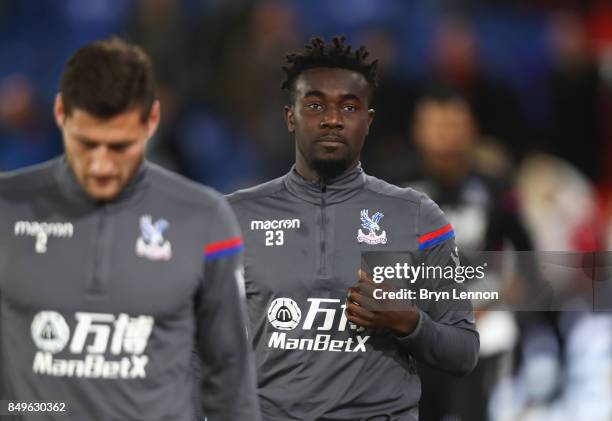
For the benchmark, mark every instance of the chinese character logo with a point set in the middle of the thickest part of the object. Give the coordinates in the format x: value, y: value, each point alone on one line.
x: 152, y: 244
x: 371, y: 225
x: 102, y: 345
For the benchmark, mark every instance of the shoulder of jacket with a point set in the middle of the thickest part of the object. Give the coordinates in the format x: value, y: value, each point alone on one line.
x: 261, y: 190
x: 429, y: 216
x: 181, y: 188
x: 29, y: 178
x: 384, y: 188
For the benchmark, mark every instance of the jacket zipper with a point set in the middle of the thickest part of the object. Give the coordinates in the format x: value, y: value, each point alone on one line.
x: 323, y: 265
x: 101, y: 250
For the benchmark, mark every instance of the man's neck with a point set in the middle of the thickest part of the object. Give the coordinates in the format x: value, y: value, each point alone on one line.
x: 304, y: 170
x: 310, y: 174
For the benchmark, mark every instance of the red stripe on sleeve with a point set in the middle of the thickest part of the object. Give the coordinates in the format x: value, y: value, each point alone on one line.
x: 435, y: 233
x: 222, y: 245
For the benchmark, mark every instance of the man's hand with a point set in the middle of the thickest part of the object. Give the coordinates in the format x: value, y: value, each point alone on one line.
x: 366, y: 311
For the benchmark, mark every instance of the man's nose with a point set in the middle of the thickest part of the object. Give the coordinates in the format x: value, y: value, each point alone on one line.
x: 332, y: 119
x: 101, y: 162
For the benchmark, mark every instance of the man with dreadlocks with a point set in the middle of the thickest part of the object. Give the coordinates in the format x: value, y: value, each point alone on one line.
x: 326, y: 350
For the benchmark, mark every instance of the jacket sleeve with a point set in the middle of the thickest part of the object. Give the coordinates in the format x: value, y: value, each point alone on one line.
x: 2, y: 396
x: 228, y: 390
x: 445, y: 336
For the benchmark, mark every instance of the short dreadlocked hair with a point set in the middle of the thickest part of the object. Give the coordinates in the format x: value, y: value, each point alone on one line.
x: 336, y: 54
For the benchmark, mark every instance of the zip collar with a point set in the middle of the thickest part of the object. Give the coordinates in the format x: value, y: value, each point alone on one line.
x: 336, y: 190
x: 71, y: 187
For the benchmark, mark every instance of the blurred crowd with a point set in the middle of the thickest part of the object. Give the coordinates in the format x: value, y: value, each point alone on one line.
x: 500, y: 110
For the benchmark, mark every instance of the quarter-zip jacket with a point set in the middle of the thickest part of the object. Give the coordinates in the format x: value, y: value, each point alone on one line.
x: 303, y: 243
x: 102, y: 304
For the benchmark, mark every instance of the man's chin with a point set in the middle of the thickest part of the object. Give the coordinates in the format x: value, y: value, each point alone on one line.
x: 328, y: 168
x: 102, y: 194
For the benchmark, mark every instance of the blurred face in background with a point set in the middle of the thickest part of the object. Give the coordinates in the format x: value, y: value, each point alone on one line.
x: 455, y: 51
x: 444, y: 132
x: 104, y: 154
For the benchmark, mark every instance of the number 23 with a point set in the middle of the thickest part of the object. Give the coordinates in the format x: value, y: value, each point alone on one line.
x: 275, y: 238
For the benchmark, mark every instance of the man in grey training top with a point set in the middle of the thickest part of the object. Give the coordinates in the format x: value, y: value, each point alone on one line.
x: 112, y: 270
x: 319, y: 354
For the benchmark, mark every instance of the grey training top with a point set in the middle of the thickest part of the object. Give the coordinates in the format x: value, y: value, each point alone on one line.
x: 303, y: 243
x: 102, y: 304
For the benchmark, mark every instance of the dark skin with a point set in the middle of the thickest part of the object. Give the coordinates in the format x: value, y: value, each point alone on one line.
x: 330, y: 119
x: 366, y: 311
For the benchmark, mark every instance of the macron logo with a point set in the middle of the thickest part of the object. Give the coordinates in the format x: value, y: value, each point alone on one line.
x: 42, y: 231
x: 275, y: 224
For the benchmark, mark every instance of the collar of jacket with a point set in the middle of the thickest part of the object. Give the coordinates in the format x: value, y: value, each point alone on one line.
x: 338, y: 189
x: 70, y: 186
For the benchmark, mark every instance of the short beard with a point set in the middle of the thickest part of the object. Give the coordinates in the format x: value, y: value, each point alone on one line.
x: 328, y: 169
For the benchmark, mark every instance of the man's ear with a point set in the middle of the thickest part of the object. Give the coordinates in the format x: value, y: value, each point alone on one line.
x: 59, y: 112
x: 289, y: 118
x: 154, y: 118
x: 371, y: 113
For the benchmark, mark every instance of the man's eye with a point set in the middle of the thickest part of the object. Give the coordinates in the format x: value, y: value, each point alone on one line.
x: 120, y: 147
x: 315, y: 107
x: 350, y: 108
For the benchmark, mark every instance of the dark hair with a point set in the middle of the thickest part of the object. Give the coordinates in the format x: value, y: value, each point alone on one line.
x: 336, y: 54
x: 441, y: 93
x: 108, y: 77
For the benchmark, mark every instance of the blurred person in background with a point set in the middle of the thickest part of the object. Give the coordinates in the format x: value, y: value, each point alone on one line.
x: 560, y: 205
x: 456, y: 63
x: 564, y: 381
x: 162, y: 29
x: 483, y: 206
x: 24, y: 133
x: 113, y: 270
x: 198, y: 137
x: 387, y: 152
x: 250, y: 80
x: 484, y: 212
x: 599, y: 29
x: 575, y: 89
